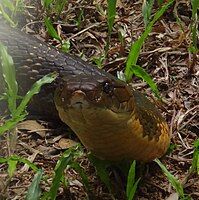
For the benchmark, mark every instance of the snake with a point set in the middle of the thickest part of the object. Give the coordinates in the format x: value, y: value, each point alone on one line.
x: 111, y: 119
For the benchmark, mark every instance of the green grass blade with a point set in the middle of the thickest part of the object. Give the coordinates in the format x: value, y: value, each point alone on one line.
x: 49, y: 78
x: 141, y: 73
x: 6, y: 16
x: 174, y: 182
x: 99, y: 60
x: 79, y: 18
x: 64, y: 161
x: 46, y: 3
x: 34, y: 191
x: 66, y: 154
x: 53, y: 33
x: 20, y: 114
x: 195, y: 7
x: 84, y: 177
x: 19, y: 159
x: 160, y: 2
x: 131, y: 178
x: 25, y: 161
x: 131, y: 185
x: 3, y: 160
x: 60, y: 6
x: 8, y: 70
x: 101, y: 169
x: 11, y: 123
x: 8, y: 4
x: 111, y: 14
x: 133, y: 190
x: 194, y: 26
x: 65, y: 46
x: 9, y: 75
x: 12, y: 165
x: 137, y: 45
x: 195, y: 161
x: 146, y: 10
x: 51, y: 30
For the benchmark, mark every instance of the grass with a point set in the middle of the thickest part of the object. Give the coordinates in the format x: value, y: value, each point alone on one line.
x: 12, y: 162
x: 54, y: 7
x: 194, y: 26
x: 131, y: 64
x: 8, y: 71
x: 101, y: 167
x: 195, y: 162
x: 65, y: 44
x: 110, y: 16
x: 34, y: 191
x: 194, y: 49
x: 66, y: 161
x: 146, y: 11
x: 80, y: 18
x: 9, y: 9
x: 174, y: 182
x: 111, y: 13
x: 132, y: 183
x: 18, y: 112
x: 193, y: 46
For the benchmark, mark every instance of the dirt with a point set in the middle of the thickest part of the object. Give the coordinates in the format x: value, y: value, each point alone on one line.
x: 165, y: 56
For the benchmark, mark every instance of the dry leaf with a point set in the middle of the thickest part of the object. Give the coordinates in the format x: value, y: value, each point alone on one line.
x: 66, y: 143
x: 173, y: 196
x: 32, y: 126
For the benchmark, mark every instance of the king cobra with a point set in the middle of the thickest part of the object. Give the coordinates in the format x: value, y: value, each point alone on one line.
x: 112, y: 120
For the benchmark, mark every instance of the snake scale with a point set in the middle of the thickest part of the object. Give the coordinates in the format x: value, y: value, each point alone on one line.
x: 111, y: 119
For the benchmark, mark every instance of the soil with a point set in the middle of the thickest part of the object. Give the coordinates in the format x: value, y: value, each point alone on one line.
x: 165, y: 56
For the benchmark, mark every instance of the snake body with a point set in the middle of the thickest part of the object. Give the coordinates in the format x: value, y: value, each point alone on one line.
x: 113, y: 121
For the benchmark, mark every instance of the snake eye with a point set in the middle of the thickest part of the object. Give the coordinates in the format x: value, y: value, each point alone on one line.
x: 107, y: 87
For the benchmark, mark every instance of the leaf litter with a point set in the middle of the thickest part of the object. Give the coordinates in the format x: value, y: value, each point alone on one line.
x: 164, y: 56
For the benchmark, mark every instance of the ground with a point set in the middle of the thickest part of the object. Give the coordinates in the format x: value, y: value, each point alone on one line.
x: 164, y: 56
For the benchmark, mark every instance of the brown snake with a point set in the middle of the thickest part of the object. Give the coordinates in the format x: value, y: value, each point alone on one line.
x: 113, y: 121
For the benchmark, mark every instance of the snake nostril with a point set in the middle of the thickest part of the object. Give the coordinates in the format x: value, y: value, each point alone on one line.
x: 78, y: 99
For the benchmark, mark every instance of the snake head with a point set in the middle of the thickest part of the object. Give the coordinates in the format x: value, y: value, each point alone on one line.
x: 86, y: 95
x: 96, y: 92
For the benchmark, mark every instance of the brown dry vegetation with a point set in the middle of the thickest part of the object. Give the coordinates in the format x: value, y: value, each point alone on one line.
x: 165, y: 57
